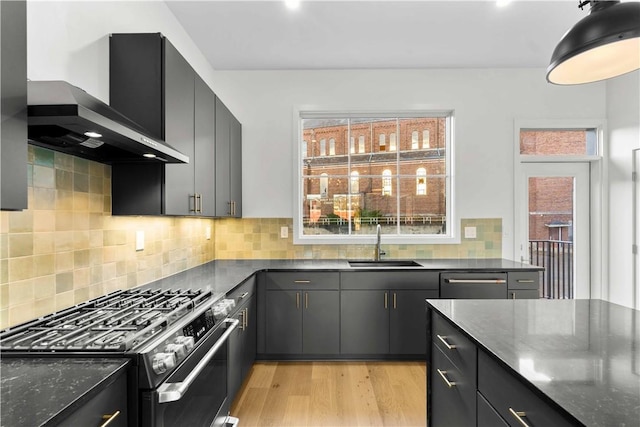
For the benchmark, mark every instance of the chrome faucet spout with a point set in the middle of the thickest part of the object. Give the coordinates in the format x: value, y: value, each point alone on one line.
x: 379, y: 252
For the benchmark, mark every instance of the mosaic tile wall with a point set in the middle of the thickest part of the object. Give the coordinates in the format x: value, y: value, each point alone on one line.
x: 251, y: 238
x: 67, y: 248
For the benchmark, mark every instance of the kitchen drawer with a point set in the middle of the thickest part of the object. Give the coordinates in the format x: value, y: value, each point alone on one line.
x: 302, y: 280
x: 463, y: 355
x: 523, y: 280
x: 109, y: 402
x: 508, y: 395
x: 477, y: 285
x: 390, y: 280
x: 452, y: 403
x: 243, y: 291
x: 487, y: 416
x: 523, y: 293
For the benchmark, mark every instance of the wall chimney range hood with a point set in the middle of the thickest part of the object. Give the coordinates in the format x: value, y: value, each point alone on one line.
x: 65, y: 118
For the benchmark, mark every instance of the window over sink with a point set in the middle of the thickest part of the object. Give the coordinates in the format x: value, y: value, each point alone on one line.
x: 403, y: 183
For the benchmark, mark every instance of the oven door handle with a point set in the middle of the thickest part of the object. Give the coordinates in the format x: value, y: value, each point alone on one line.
x: 171, y: 392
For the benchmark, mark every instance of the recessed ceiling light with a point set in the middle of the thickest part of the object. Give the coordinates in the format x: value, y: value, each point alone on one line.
x: 149, y: 155
x: 292, y: 4
x: 91, y: 134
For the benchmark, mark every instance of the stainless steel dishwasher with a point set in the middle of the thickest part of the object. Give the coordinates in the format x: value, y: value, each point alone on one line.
x: 473, y: 285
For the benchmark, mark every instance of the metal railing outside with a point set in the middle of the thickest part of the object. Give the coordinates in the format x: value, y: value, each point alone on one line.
x: 556, y: 256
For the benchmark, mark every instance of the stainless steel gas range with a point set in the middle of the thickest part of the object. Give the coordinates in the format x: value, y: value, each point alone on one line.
x: 176, y: 339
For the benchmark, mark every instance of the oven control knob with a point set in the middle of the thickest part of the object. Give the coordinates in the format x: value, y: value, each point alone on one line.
x: 188, y: 342
x: 162, y: 362
x: 179, y: 350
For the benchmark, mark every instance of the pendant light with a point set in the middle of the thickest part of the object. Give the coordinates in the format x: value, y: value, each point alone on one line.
x: 604, y: 44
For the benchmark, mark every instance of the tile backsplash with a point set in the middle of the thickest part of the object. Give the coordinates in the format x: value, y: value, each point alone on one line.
x: 251, y: 238
x: 67, y: 248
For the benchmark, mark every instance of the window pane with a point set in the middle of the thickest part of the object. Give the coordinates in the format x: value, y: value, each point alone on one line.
x: 423, y: 214
x: 425, y: 138
x: 326, y: 206
x: 414, y: 140
x: 332, y: 147
x: 559, y: 142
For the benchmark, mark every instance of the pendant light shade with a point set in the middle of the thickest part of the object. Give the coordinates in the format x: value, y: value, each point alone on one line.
x: 604, y: 44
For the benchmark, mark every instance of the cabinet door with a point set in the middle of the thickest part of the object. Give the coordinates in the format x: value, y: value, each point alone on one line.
x: 284, y: 322
x: 179, y: 130
x: 364, y: 322
x: 249, y: 337
x: 204, y: 150
x: 487, y: 416
x: 13, y: 105
x: 321, y: 322
x: 222, y: 156
x: 235, y: 165
x: 408, y: 321
x: 452, y: 404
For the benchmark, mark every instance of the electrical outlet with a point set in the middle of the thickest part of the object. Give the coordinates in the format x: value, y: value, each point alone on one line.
x: 140, y: 240
x: 284, y: 232
x: 469, y: 232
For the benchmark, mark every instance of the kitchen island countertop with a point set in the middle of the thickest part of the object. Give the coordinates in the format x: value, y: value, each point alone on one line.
x: 584, y: 355
x: 43, y: 391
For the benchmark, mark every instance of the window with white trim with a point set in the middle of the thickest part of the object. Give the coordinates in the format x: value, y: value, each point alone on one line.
x: 350, y: 192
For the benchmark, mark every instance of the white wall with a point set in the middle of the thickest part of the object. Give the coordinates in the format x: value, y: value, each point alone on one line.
x: 486, y: 103
x: 70, y: 40
x: 623, y: 115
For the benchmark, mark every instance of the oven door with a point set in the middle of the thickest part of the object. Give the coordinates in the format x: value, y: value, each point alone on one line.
x: 195, y: 395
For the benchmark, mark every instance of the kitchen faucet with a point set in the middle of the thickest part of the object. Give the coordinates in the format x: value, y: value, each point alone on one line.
x: 379, y: 252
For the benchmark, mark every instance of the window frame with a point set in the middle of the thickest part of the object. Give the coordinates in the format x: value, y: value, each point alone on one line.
x: 452, y: 220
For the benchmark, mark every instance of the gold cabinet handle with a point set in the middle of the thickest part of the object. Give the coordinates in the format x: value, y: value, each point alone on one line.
x: 394, y: 301
x: 302, y: 281
x: 518, y: 416
x: 524, y: 281
x: 242, y: 313
x: 386, y: 300
x: 245, y: 318
x: 444, y: 341
x: 297, y: 299
x: 306, y: 300
x: 243, y: 296
x: 195, y: 203
x: 108, y: 418
x: 443, y: 375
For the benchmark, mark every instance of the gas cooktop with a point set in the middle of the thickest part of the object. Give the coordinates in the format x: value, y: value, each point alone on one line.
x: 118, y: 322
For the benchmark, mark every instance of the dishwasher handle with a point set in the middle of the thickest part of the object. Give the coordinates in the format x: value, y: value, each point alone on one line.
x: 171, y: 392
x: 479, y: 281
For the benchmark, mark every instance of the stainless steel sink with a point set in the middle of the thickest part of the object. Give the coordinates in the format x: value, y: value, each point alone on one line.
x: 384, y: 263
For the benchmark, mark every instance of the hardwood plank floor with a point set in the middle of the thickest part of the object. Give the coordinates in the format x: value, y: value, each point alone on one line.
x: 333, y: 394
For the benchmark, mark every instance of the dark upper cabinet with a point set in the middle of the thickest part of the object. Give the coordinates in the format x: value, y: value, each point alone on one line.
x: 152, y: 84
x: 228, y: 163
x: 13, y: 100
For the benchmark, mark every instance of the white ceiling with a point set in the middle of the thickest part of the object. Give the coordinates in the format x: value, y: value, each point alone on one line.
x: 332, y: 34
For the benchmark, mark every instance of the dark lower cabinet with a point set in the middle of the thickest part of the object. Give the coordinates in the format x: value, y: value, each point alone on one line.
x: 303, y: 322
x: 468, y: 387
x: 453, y: 397
x: 242, y: 347
x: 364, y: 322
x: 109, y: 404
x: 487, y: 416
x: 407, y: 321
x: 13, y: 105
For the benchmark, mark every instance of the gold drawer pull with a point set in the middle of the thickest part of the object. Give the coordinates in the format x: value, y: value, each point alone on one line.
x: 443, y: 374
x: 243, y: 296
x: 524, y: 281
x: 302, y: 281
x: 444, y: 341
x: 108, y: 418
x: 518, y: 416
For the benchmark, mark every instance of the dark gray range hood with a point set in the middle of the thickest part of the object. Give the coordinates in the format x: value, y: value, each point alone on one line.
x: 61, y: 116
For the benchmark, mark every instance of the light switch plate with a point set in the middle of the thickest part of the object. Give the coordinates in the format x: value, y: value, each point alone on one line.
x: 140, y: 240
x: 469, y: 232
x: 284, y: 232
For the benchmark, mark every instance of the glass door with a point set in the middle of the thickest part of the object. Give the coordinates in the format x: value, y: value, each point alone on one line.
x: 553, y: 226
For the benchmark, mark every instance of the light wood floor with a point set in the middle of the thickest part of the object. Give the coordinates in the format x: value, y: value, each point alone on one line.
x: 331, y: 394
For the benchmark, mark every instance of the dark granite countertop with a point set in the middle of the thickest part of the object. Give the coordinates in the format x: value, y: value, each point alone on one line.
x: 44, y: 391
x: 583, y: 354
x: 223, y: 275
